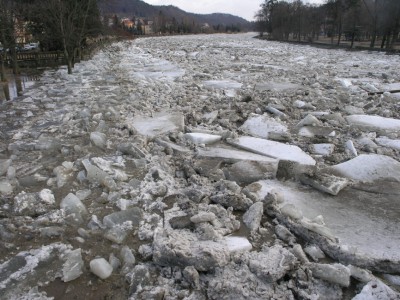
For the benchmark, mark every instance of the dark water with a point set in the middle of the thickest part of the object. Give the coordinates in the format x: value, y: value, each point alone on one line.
x: 16, y: 85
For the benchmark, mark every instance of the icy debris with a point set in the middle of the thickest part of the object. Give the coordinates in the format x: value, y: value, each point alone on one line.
x: 284, y: 234
x: 377, y: 290
x: 314, y: 252
x: 291, y: 211
x: 132, y: 150
x: 298, y: 251
x: 275, y: 112
x: 303, y: 105
x: 273, y: 149
x: 181, y: 249
x: 96, y: 175
x: 4, y: 165
x: 272, y: 263
x: 33, y: 204
x: 30, y: 268
x: 138, y: 278
x: 253, y: 215
x: 246, y: 172
x: 202, y: 138
x: 32, y: 294
x: 322, y: 149
x: 133, y: 215
x: 159, y: 124
x: 263, y: 126
x: 98, y: 139
x: 203, y: 217
x: 335, y: 273
x: 360, y: 274
x: 73, y: 207
x: 128, y: 259
x: 237, y: 244
x: 350, y: 149
x: 374, y: 123
x: 317, y: 131
x: 73, y: 265
x: 5, y: 187
x: 318, y: 228
x: 309, y: 120
x: 101, y: 268
x: 369, y: 168
x: 325, y: 183
x: 63, y: 175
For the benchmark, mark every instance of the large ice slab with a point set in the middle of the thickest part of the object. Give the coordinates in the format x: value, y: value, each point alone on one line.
x: 273, y: 149
x: 223, y: 84
x: 374, y: 123
x: 276, y: 86
x: 159, y: 123
x: 365, y: 223
x: 262, y: 126
x: 386, y: 142
x: 369, y: 168
x: 232, y: 156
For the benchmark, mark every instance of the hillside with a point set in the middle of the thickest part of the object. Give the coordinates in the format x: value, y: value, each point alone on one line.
x: 130, y: 8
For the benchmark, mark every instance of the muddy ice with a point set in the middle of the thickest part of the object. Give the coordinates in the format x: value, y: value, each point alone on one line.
x: 204, y: 167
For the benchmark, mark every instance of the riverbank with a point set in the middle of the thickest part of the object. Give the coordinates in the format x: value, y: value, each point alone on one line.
x: 326, y: 43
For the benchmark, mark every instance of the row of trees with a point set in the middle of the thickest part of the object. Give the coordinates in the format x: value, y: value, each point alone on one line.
x: 56, y: 24
x: 338, y: 19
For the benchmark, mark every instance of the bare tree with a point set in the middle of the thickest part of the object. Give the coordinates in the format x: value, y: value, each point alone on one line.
x: 64, y: 23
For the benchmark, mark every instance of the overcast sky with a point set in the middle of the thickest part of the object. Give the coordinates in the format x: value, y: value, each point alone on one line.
x: 242, y: 8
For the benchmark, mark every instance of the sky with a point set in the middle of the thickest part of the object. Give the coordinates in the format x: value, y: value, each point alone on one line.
x: 242, y: 8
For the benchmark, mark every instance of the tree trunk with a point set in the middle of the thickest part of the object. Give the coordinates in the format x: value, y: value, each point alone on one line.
x: 394, y: 39
x: 14, y: 61
x: 383, y: 41
x: 373, y: 40
x: 388, y: 39
x: 339, y: 33
x: 69, y: 61
x: 2, y: 69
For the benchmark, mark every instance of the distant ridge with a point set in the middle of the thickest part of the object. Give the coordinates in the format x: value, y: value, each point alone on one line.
x: 138, y: 8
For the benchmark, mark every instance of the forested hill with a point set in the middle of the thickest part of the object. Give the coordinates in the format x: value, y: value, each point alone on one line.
x: 130, y: 8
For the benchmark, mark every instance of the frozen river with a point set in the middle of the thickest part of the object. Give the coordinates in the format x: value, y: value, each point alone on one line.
x: 204, y: 167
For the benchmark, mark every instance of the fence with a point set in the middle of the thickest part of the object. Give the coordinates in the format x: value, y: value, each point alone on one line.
x: 38, y: 59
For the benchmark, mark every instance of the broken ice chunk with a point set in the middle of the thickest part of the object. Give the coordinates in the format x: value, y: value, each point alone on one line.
x: 133, y: 215
x: 350, y: 149
x: 73, y: 206
x: 309, y: 120
x: 376, y: 289
x: 94, y: 174
x: 273, y: 149
x: 325, y: 183
x: 99, y: 139
x: 4, y: 164
x: 202, y: 138
x: 263, y: 126
x: 5, y: 187
x: 369, y: 168
x: 73, y: 265
x: 237, y: 244
x: 374, y: 123
x: 101, y: 268
x: 253, y: 215
x: 336, y: 273
x: 322, y: 149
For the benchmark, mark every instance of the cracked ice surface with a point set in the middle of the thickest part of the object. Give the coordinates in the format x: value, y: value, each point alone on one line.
x: 128, y: 137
